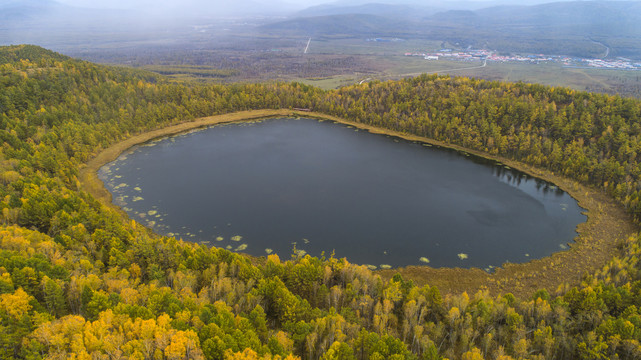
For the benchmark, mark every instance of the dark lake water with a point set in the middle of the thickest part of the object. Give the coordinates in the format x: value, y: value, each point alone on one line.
x: 280, y: 184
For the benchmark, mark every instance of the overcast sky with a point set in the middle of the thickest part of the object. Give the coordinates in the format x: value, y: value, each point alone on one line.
x: 123, y: 4
x: 120, y: 4
x: 278, y: 4
x: 271, y: 7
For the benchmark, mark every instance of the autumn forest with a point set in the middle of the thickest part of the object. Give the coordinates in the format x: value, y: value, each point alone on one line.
x: 79, y: 280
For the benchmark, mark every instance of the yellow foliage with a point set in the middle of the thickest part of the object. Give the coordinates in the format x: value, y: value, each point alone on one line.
x: 135, y: 271
x: 57, y: 335
x: 164, y: 321
x: 16, y: 304
x: 77, y: 345
x: 130, y: 296
x: 474, y: 354
x: 249, y: 354
x: 464, y: 300
x: 184, y: 345
x: 83, y: 355
x: 284, y: 341
x: 15, y: 243
x: 183, y: 316
x: 393, y: 291
x: 454, y: 314
x: 520, y: 348
x: 273, y: 258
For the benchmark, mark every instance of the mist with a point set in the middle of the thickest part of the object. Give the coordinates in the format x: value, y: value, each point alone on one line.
x: 151, y: 32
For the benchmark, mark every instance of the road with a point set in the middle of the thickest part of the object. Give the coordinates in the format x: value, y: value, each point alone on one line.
x: 307, y: 47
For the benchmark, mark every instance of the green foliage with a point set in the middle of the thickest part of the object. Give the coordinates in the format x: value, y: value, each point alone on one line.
x: 78, y: 280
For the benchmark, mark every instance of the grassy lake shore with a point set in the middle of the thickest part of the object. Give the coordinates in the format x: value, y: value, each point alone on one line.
x: 600, y: 238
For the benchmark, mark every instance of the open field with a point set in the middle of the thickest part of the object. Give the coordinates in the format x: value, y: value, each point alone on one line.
x: 360, y: 46
x: 625, y: 82
x: 333, y: 82
x: 392, y: 64
x: 330, y: 62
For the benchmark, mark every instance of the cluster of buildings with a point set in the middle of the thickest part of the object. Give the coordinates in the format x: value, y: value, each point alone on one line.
x: 384, y: 39
x: 457, y: 55
x: 620, y: 63
x: 487, y: 55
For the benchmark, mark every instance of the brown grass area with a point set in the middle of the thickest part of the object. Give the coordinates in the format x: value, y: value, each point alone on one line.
x: 608, y: 224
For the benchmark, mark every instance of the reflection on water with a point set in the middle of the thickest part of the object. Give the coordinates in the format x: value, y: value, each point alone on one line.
x: 302, y: 186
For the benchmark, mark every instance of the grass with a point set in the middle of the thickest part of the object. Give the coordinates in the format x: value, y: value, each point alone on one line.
x: 625, y: 82
x: 388, y: 62
x: 331, y: 82
x: 359, y: 59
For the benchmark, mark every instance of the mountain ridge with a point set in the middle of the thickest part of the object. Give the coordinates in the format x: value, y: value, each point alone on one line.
x: 548, y: 28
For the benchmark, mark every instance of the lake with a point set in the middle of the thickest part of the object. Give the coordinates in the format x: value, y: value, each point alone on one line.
x: 304, y: 186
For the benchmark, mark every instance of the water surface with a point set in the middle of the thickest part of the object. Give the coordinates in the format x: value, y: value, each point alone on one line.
x: 303, y: 185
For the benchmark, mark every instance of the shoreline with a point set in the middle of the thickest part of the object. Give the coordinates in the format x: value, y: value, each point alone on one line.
x: 607, y: 225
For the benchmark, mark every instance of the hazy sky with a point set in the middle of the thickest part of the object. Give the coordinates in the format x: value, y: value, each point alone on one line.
x: 243, y: 5
x: 175, y: 8
x: 124, y: 4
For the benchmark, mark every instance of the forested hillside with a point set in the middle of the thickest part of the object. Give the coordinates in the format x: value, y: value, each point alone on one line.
x: 79, y: 281
x: 591, y: 29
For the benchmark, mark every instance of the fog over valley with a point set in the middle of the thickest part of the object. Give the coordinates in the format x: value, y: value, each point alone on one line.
x: 330, y: 44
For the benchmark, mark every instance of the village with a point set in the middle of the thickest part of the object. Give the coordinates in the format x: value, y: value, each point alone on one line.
x: 492, y: 56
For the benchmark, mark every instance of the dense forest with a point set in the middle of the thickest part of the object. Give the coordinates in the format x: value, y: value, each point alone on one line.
x: 80, y: 281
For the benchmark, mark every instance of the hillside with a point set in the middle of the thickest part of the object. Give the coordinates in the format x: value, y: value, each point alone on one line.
x: 79, y: 280
x: 344, y: 24
x: 569, y: 28
x: 12, y: 10
x: 387, y: 10
x: 31, y: 53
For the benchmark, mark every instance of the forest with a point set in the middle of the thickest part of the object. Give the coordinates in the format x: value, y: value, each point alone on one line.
x: 78, y: 280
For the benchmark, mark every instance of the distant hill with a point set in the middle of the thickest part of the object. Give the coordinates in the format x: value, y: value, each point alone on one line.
x: 435, y: 4
x: 50, y: 23
x: 560, y: 14
x: 579, y: 28
x: 28, y: 52
x: 572, y: 28
x: 59, y: 26
x: 14, y: 10
x: 378, y: 9
x: 48, y: 13
x: 344, y: 24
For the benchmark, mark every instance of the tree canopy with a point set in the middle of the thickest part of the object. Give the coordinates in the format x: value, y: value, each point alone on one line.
x: 79, y: 281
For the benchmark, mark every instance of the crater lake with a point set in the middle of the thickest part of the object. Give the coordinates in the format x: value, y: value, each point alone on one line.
x: 305, y: 186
